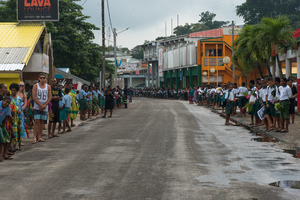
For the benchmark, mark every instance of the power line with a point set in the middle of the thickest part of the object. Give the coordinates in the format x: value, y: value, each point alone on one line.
x: 84, y: 2
x: 109, y: 15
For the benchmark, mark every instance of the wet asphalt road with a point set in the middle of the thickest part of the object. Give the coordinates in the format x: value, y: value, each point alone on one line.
x: 157, y: 149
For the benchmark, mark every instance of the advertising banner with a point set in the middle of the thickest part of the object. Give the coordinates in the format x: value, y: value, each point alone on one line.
x: 228, y: 31
x: 180, y: 76
x: 160, y: 63
x: 45, y: 63
x: 38, y: 10
x: 127, y: 67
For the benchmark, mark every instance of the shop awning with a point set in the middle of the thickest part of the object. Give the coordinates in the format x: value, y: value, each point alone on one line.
x: 17, y: 43
x: 12, y: 67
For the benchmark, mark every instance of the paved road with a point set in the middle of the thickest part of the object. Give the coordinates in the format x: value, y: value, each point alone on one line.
x: 157, y: 149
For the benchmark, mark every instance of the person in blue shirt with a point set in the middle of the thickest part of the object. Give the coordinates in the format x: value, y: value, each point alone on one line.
x: 83, y: 105
x: 4, y: 136
x: 64, y: 110
x: 90, y: 99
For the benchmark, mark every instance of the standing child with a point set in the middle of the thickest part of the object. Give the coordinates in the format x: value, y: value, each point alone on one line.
x: 66, y: 105
x: 270, y: 109
x: 4, y: 136
x: 229, y: 96
x: 285, y: 96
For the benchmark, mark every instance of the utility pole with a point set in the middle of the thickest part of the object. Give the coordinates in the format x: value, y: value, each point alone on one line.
x: 103, y: 43
x: 115, y: 55
x: 233, y: 72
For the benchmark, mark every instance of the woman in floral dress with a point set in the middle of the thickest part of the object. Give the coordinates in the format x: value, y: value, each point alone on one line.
x: 18, y: 123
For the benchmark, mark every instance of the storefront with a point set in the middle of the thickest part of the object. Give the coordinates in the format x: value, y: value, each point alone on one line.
x: 24, y: 52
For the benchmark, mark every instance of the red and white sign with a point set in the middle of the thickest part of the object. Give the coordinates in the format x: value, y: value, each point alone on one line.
x: 160, y: 63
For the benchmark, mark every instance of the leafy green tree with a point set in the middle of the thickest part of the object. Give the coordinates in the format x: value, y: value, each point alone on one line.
x: 277, y: 33
x: 253, y: 48
x: 72, y: 37
x: 8, y: 11
x: 253, y: 11
x: 182, y: 30
x: 197, y: 27
x: 137, y: 52
x: 207, y: 19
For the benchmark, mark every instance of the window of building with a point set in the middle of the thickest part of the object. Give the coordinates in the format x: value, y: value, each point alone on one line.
x: 213, y: 52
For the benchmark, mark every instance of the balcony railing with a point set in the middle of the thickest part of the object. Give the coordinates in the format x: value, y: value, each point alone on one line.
x: 212, y: 61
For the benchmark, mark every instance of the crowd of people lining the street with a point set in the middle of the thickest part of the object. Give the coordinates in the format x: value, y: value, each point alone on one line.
x: 269, y: 102
x: 24, y: 107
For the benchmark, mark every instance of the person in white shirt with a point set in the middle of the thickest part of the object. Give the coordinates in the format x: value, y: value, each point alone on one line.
x: 262, y: 95
x: 217, y: 96
x: 270, y: 109
x: 224, y: 90
x: 229, y: 96
x: 252, y: 88
x: 242, y: 98
x: 285, y: 95
x: 235, y: 91
x: 200, y: 98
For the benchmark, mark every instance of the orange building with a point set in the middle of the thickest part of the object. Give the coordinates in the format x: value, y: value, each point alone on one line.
x: 211, y: 51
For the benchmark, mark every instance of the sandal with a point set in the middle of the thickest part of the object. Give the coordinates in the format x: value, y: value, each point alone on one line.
x: 7, y: 158
x: 42, y: 140
x: 34, y: 142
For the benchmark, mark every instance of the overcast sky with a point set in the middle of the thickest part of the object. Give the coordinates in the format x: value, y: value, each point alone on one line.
x: 146, y: 18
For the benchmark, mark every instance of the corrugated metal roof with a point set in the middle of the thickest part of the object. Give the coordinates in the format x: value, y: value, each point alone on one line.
x: 11, y: 67
x: 66, y: 75
x: 21, y: 36
x: 13, y: 55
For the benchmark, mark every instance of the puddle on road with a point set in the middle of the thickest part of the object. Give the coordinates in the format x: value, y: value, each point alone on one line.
x: 260, y: 139
x: 264, y: 139
x: 294, y: 152
x: 286, y: 184
x: 82, y: 124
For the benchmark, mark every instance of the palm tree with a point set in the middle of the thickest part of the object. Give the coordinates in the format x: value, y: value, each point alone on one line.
x: 276, y: 33
x: 248, y: 55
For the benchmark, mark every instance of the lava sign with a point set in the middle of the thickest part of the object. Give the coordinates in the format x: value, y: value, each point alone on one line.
x: 38, y: 10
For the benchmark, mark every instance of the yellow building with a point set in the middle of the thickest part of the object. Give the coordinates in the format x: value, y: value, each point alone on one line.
x: 24, y: 50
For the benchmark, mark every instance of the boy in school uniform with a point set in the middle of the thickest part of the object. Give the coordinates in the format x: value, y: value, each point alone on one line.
x: 236, y: 93
x: 285, y: 95
x: 66, y: 105
x: 229, y: 96
x: 242, y: 99
x: 262, y: 95
x: 270, y: 109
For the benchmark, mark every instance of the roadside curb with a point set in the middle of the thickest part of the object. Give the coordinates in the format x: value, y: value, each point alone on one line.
x: 269, y: 136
